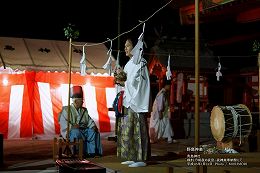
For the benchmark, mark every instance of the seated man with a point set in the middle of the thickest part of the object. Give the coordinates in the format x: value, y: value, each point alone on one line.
x: 82, y: 126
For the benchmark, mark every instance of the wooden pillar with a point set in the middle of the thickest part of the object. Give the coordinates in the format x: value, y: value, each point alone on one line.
x: 60, y: 145
x: 203, y: 169
x: 197, y: 67
x: 259, y: 88
x: 170, y: 170
x: 54, y: 149
x: 258, y: 140
x: 80, y: 148
x: 172, y: 96
x: 69, y: 81
x: 258, y: 130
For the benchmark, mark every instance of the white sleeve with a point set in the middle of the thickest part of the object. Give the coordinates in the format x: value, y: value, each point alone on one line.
x: 63, y: 123
x: 160, y: 101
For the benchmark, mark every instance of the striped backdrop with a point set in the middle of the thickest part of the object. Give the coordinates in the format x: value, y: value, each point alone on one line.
x: 31, y: 101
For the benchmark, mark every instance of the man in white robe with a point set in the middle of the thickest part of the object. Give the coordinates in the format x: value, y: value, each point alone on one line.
x: 160, y: 125
x: 133, y: 138
x: 81, y: 125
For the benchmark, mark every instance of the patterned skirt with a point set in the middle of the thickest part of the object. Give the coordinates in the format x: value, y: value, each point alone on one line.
x: 132, y: 137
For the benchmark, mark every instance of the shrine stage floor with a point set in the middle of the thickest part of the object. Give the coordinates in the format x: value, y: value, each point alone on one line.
x: 23, y: 156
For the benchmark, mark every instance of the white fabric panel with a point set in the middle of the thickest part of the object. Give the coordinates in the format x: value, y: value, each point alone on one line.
x: 110, y: 95
x: 64, y: 90
x: 91, y: 102
x: 47, y: 111
x: 15, y: 111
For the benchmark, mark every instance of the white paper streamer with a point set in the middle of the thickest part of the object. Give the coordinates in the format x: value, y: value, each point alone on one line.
x: 168, y: 71
x: 83, y: 65
x: 108, y: 64
x: 218, y: 73
x: 117, y: 66
x: 137, y: 51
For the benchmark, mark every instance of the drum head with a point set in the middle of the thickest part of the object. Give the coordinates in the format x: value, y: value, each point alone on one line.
x: 217, y: 123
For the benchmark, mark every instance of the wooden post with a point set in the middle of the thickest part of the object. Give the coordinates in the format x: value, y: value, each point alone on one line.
x: 172, y: 96
x: 197, y: 66
x: 226, y: 171
x: 258, y: 130
x: 258, y: 88
x: 197, y: 83
x: 203, y: 169
x: 258, y: 140
x: 60, y: 148
x: 80, y: 149
x: 170, y: 170
x: 69, y: 81
x: 54, y: 148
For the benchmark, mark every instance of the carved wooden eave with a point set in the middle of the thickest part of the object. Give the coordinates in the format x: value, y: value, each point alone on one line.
x: 249, y: 71
x: 182, y: 58
x: 242, y: 11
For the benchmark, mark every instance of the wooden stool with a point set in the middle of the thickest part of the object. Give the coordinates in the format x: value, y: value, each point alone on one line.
x: 235, y: 144
x: 61, y: 148
x: 224, y: 145
x: 258, y: 140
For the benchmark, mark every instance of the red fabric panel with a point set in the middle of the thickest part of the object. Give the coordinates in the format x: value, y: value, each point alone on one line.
x: 37, y: 117
x: 4, y: 108
x: 27, y: 107
x: 26, y: 118
x: 25, y: 124
x: 172, y: 96
x: 120, y: 102
x: 56, y: 105
x: 104, y: 120
x: 53, y: 78
x: 103, y: 81
x: 31, y: 120
x: 76, y: 79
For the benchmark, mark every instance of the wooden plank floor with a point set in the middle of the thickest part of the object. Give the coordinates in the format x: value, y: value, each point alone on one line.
x: 36, y: 155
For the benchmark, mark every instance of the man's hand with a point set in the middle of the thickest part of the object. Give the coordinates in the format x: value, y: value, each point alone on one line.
x: 75, y: 126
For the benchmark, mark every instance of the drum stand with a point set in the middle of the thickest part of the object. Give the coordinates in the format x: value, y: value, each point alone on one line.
x: 235, y: 144
x: 222, y: 145
x: 63, y: 149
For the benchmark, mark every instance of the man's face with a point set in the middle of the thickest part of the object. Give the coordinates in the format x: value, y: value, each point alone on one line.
x: 78, y: 102
x: 128, y: 48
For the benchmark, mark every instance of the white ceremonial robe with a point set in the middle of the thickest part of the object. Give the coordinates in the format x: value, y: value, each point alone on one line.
x: 137, y: 86
x: 160, y: 128
x: 92, y: 142
x: 77, y: 117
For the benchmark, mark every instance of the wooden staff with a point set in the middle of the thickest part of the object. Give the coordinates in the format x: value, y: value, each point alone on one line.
x: 69, y: 81
x: 197, y: 67
x: 259, y: 87
x: 197, y: 83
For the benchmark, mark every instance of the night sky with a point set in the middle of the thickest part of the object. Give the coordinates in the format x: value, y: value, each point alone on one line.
x: 96, y: 20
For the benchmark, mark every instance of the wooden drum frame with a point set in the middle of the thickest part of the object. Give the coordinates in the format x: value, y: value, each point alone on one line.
x: 228, y: 122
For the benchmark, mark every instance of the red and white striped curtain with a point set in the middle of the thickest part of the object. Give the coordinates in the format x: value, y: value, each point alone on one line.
x: 30, y: 102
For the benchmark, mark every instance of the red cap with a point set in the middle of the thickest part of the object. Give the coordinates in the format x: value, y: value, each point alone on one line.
x: 76, y: 92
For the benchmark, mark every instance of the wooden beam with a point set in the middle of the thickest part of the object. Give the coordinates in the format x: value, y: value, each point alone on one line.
x: 251, y: 15
x: 234, y: 39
